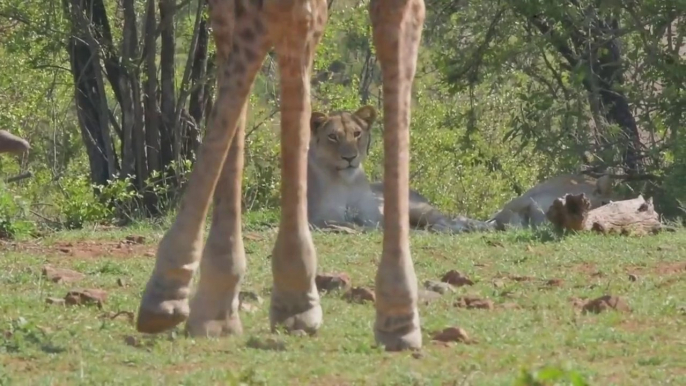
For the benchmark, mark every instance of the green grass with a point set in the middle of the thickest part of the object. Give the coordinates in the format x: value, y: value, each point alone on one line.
x: 45, y: 344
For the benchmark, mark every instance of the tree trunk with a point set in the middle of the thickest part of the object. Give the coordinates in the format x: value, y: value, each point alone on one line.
x: 196, y: 107
x: 91, y: 100
x: 169, y: 137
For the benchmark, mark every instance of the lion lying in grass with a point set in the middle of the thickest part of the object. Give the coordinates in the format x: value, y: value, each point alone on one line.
x: 339, y: 193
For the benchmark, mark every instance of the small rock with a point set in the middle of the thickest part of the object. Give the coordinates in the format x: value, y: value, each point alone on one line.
x: 497, y: 283
x: 247, y: 307
x: 360, y: 295
x: 474, y: 303
x: 426, y: 296
x: 61, y: 275
x: 249, y: 296
x: 417, y: 355
x: 120, y: 282
x: 65, y: 250
x: 437, y: 286
x: 130, y: 316
x: 86, y: 297
x: 510, y: 306
x: 521, y: 278
x: 456, y: 278
x: 554, y: 283
x: 269, y: 344
x: 633, y: 277
x: 605, y: 303
x: 452, y: 334
x: 55, y: 301
x: 132, y: 341
x: 332, y: 281
x: 135, y: 239
x: 149, y: 254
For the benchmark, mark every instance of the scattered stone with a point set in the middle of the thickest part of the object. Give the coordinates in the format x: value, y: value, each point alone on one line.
x: 61, y: 275
x: 360, y: 295
x: 130, y: 316
x: 633, y: 277
x: 495, y: 243
x: 332, y: 281
x: 120, y: 282
x: 554, y: 283
x: 269, y: 344
x: 497, y: 283
x: 417, y: 355
x: 510, y: 306
x: 470, y: 302
x: 426, y: 296
x: 55, y: 301
x: 86, y: 297
x: 521, y: 278
x: 135, y: 239
x: 605, y: 303
x: 149, y: 254
x: 132, y: 341
x: 249, y: 296
x: 452, y: 334
x: 456, y: 278
x: 247, y: 307
x: 65, y: 250
x: 437, y: 286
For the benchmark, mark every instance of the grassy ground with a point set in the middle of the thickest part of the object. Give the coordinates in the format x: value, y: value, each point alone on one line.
x: 48, y: 344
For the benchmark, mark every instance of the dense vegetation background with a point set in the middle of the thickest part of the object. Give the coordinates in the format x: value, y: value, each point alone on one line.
x: 113, y: 95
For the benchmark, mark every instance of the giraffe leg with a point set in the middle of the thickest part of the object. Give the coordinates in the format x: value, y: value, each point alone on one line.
x: 295, y: 29
x: 214, y: 308
x: 165, y: 298
x: 397, y: 26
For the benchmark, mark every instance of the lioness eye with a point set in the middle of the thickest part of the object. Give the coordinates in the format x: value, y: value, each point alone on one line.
x: 333, y: 137
x: 357, y: 134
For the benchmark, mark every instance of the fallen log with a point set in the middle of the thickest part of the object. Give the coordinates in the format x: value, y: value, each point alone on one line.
x: 19, y: 177
x: 636, y: 216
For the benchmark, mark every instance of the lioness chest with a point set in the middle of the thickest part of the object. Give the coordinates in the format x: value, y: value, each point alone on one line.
x: 343, y: 203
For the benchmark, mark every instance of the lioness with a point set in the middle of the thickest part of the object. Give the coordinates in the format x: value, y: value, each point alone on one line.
x: 338, y: 192
x: 529, y: 209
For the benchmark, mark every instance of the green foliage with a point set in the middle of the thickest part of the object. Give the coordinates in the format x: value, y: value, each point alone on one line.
x: 13, y: 211
x: 549, y: 376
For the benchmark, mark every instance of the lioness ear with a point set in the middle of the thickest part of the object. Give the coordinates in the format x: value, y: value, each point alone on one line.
x: 367, y: 114
x: 317, y: 120
x: 604, y: 185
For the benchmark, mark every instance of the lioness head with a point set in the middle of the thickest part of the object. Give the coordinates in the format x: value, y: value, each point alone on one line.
x: 340, y: 141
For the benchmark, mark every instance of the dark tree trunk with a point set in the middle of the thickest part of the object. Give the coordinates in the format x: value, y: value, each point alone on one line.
x: 91, y: 100
x: 197, y: 98
x: 167, y: 69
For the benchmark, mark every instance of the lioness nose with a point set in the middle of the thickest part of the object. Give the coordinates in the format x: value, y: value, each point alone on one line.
x: 349, y: 159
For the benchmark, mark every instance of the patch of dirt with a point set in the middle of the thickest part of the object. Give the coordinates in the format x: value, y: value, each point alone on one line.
x: 606, y: 303
x: 472, y: 302
x: 86, y: 249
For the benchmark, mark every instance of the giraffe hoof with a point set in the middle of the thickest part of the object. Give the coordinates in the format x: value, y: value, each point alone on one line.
x: 401, y: 332
x: 158, y: 317
x: 295, y: 321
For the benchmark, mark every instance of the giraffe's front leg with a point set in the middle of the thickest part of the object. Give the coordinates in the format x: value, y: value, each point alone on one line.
x: 214, y: 308
x: 397, y: 26
x: 295, y: 29
x: 165, y: 299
